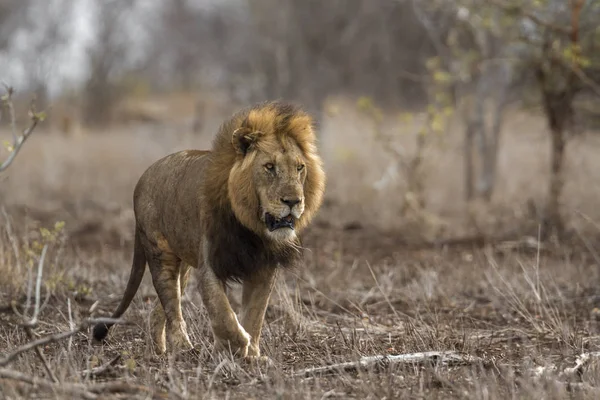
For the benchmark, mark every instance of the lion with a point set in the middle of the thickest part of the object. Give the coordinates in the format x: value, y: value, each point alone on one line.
x: 235, y: 213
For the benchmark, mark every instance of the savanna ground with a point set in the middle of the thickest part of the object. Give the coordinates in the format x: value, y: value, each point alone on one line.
x: 368, y: 287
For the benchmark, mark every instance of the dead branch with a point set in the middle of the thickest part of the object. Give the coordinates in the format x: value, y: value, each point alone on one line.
x: 79, y: 389
x: 56, y: 337
x: 18, y: 140
x: 38, y: 287
x: 435, y: 357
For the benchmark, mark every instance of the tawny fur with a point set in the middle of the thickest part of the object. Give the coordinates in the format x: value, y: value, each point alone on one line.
x: 206, y: 209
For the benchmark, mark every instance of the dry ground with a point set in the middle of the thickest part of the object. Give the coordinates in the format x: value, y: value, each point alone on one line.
x: 363, y: 291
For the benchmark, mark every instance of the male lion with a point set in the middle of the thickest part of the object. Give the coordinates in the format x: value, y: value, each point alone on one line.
x: 234, y: 213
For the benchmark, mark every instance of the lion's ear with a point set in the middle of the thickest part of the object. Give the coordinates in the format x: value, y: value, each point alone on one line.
x: 243, y: 139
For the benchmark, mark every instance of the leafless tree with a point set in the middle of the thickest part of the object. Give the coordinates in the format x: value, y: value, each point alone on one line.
x: 490, y: 49
x: 307, y: 50
x: 562, y: 63
x: 298, y: 50
x: 105, y: 56
x: 470, y: 43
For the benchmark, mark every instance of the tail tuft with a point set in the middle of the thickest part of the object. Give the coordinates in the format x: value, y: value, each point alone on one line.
x: 100, y: 331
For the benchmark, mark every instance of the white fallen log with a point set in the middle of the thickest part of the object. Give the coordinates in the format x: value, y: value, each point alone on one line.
x: 446, y: 358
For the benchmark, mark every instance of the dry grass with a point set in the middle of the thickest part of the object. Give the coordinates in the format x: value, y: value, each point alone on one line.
x: 362, y: 292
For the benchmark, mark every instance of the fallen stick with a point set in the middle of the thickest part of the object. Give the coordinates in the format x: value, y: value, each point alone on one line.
x: 436, y: 357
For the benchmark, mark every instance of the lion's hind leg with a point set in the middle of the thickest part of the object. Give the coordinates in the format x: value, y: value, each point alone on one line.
x: 158, y: 320
x: 165, y: 268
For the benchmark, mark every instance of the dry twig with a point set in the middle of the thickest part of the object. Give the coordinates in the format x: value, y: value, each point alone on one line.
x: 434, y: 357
x: 18, y: 140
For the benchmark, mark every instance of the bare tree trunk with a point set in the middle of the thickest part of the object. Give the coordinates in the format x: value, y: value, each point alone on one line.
x: 415, y: 178
x: 553, y: 218
x: 558, y: 86
x: 104, y: 56
x: 558, y: 107
x: 490, y: 161
x: 478, y: 126
x: 468, y: 157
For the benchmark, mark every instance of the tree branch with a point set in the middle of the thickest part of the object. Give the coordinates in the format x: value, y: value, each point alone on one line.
x: 18, y: 140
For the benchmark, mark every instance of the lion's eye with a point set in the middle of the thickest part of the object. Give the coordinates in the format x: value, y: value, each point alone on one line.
x: 269, y: 166
x: 300, y: 167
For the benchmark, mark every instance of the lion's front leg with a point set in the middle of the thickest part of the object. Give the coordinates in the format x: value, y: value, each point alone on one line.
x: 255, y: 298
x: 227, y: 331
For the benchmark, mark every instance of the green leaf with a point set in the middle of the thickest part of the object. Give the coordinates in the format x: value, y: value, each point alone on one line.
x: 442, y: 77
x: 8, y: 146
x: 41, y: 116
x: 58, y: 226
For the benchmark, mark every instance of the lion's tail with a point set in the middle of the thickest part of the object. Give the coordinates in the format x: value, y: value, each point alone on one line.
x: 138, y: 268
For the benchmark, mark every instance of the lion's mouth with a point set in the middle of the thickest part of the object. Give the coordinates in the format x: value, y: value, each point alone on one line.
x: 278, y: 223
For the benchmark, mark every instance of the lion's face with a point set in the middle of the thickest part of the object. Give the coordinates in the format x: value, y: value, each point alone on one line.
x: 279, y: 177
x: 267, y: 187
x: 276, y: 182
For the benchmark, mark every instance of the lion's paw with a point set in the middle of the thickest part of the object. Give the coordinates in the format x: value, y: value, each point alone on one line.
x: 160, y: 342
x: 235, y: 340
x: 259, y: 361
x: 179, y: 340
x: 237, y: 348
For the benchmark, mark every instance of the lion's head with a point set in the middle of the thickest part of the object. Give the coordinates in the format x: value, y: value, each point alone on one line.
x: 276, y: 180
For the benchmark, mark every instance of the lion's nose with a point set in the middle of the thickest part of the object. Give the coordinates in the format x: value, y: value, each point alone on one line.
x: 290, y: 201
